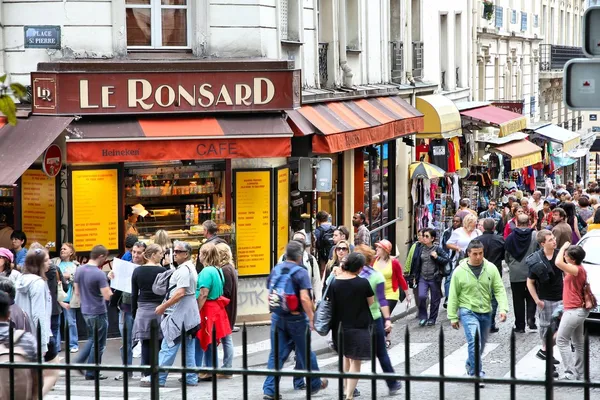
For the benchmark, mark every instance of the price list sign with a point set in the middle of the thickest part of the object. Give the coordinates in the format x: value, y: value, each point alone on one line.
x: 253, y: 222
x: 38, y: 200
x: 95, y: 209
x: 283, y: 209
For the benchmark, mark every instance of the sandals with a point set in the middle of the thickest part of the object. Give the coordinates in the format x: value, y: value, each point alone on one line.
x: 388, y: 344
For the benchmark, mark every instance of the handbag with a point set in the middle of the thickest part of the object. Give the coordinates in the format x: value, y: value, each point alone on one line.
x: 69, y: 295
x: 60, y: 292
x: 324, y: 313
x: 589, y: 300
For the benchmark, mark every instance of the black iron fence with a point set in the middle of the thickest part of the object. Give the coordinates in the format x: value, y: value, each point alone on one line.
x: 554, y: 57
x: 397, y: 61
x: 417, y: 67
x: 407, y: 377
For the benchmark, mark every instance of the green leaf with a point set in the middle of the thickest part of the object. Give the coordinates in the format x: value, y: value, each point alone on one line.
x: 18, y: 90
x: 9, y: 109
x: 3, y: 78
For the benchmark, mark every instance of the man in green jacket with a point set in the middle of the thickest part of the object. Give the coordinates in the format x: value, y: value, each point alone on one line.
x: 471, y: 287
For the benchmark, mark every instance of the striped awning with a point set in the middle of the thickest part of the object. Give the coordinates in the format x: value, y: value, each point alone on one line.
x: 522, y: 153
x: 507, y: 121
x: 343, y: 125
x: 96, y: 139
x: 442, y: 119
x: 568, y: 140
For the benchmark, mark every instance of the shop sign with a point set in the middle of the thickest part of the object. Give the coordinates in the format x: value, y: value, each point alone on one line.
x: 42, y: 37
x: 283, y: 209
x: 514, y: 106
x: 52, y: 162
x: 95, y: 204
x: 167, y: 92
x: 253, y: 221
x: 593, y: 117
x: 38, y: 207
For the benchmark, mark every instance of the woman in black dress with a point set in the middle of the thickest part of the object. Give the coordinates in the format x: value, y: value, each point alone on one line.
x: 351, y: 297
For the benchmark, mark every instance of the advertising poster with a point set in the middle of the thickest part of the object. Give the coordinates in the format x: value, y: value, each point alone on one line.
x: 283, y: 210
x: 38, y: 200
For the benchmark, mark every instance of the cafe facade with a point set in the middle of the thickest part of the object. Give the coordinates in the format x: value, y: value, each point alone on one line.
x: 197, y: 140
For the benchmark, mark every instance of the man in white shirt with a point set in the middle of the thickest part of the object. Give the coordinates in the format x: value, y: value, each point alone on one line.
x: 536, y: 201
x: 312, y: 266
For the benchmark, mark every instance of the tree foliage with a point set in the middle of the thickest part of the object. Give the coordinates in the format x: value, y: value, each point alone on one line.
x: 7, y: 104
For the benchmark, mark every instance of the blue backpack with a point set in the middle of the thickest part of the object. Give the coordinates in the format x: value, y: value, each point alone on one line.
x: 282, y: 293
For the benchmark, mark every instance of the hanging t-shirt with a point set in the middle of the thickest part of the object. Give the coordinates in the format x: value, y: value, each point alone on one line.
x: 456, y: 142
x: 422, y: 151
x: 451, y: 158
x: 438, y: 153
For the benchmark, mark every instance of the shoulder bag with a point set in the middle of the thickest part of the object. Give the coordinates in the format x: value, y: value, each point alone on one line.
x: 589, y: 300
x: 324, y: 313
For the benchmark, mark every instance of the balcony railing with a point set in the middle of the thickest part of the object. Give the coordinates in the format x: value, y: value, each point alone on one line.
x: 443, y: 80
x: 554, y: 57
x: 417, y: 68
x: 323, y: 64
x: 579, y: 122
x: 458, y: 77
x: 574, y: 124
x: 397, y: 61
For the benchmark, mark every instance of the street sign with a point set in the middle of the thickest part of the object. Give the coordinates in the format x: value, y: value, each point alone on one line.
x: 306, y: 174
x: 591, y: 32
x: 582, y: 84
x: 42, y: 37
x: 593, y: 117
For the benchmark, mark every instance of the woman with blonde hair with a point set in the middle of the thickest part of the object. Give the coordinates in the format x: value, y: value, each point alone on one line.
x: 462, y: 236
x: 341, y: 250
x: 211, y: 303
x: 230, y: 292
x: 144, y: 301
x: 67, y: 264
x: 161, y: 238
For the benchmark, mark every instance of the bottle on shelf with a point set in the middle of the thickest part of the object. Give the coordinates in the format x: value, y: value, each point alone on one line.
x: 213, y: 213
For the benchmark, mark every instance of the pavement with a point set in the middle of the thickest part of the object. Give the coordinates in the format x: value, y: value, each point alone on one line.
x: 424, y: 356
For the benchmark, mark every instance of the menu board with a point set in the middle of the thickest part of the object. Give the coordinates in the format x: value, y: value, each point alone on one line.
x: 95, y: 209
x: 283, y: 209
x: 38, y: 207
x: 253, y: 222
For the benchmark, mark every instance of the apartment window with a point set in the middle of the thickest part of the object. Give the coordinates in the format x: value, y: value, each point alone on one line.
x: 513, y: 17
x: 544, y: 23
x: 158, y: 23
x: 458, y: 48
x: 445, y: 72
x: 536, y: 22
x: 499, y: 13
x: 289, y: 14
x: 523, y: 21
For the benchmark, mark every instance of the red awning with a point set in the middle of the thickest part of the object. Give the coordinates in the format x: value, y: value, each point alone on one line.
x: 23, y: 143
x: 507, y: 121
x: 193, y: 138
x: 345, y: 125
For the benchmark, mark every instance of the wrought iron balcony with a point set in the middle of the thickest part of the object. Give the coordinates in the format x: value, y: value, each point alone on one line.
x: 554, y: 57
x: 579, y: 122
x: 323, y: 64
x: 397, y: 61
x: 443, y: 80
x: 417, y: 67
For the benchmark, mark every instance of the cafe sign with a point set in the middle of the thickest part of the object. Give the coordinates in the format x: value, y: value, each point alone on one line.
x: 77, y: 93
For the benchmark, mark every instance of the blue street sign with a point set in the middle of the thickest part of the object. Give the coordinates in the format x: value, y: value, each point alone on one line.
x: 42, y: 37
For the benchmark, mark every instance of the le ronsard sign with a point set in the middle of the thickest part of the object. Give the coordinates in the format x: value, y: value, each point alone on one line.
x: 77, y: 93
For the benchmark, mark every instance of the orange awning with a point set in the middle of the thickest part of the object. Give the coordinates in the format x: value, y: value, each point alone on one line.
x: 507, y: 121
x: 184, y: 138
x: 343, y: 125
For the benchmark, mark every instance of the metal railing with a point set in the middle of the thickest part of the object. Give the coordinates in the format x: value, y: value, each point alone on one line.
x: 323, y: 75
x: 380, y: 232
x: 397, y: 61
x: 549, y: 383
x: 443, y: 80
x: 579, y: 122
x: 457, y: 77
x: 574, y: 124
x: 417, y: 67
x: 554, y: 57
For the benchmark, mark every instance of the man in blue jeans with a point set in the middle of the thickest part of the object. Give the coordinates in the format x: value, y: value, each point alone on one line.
x: 91, y: 285
x: 473, y: 283
x: 290, y: 326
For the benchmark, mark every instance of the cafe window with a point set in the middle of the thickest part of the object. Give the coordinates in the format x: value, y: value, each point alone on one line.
x: 153, y: 24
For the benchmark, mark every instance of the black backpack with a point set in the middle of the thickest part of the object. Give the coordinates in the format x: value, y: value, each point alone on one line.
x: 325, y: 243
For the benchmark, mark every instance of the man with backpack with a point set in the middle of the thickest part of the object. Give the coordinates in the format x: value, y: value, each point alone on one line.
x: 24, y: 350
x: 323, y: 237
x: 292, y: 312
x: 309, y: 262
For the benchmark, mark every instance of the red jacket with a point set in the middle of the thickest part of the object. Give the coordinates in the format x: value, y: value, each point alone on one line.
x: 213, y: 314
x: 398, y: 276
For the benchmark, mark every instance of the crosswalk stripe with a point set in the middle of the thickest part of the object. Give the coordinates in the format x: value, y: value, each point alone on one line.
x: 112, y: 389
x: 454, y: 363
x: 531, y: 367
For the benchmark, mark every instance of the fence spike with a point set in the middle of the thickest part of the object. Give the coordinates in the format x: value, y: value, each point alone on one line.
x: 340, y: 351
x: 154, y: 391
x: 372, y: 333
x: 513, y: 367
x: 214, y: 361
x: 96, y: 360
x: 586, y: 365
x: 307, y: 362
x: 477, y: 363
x: 442, y: 363
x: 126, y: 345
x: 276, y: 345
x: 245, y: 361
x: 549, y: 364
x: 67, y: 336
x: 407, y: 361
x: 184, y: 345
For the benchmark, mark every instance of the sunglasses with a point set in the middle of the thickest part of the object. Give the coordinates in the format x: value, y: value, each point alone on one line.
x: 179, y: 251
x: 341, y: 248
x: 426, y: 236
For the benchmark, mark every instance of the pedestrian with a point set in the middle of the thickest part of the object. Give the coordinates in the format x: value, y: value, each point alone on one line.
x: 545, y: 284
x: 33, y: 296
x: 493, y: 251
x: 210, y: 235
x: 340, y: 233
x: 161, y: 238
x: 67, y: 264
x: 570, y: 330
x: 351, y: 298
x: 19, y: 240
x: 91, y: 285
x: 536, y: 201
x: 310, y: 263
x: 380, y: 311
x: 493, y: 214
x: 211, y: 305
x: 584, y: 209
x: 509, y: 209
x: 595, y: 221
x: 428, y: 267
x: 531, y: 212
x: 342, y: 249
x: 291, y: 315
x: 461, y: 237
x: 18, y: 318
x: 544, y: 216
x: 464, y: 209
x: 452, y: 254
x: 363, y: 236
x: 561, y: 230
x: 130, y: 240
x: 56, y: 283
x: 143, y: 300
x: 512, y: 224
x: 521, y: 243
x: 6, y: 265
x: 473, y: 282
x: 230, y: 289
x: 573, y: 222
x: 391, y: 270
x: 181, y: 318
x: 324, y: 241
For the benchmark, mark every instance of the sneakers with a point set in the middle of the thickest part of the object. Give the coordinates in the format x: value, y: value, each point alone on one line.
x: 568, y: 376
x: 533, y: 328
x: 422, y: 322
x: 395, y: 388
x: 324, y: 384
x: 74, y: 349
x: 121, y: 376
x: 430, y: 323
x: 146, y: 382
x: 542, y: 356
x: 515, y: 330
x: 270, y: 397
x: 92, y: 377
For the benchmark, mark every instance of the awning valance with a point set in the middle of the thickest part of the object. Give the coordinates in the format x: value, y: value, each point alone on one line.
x: 441, y: 117
x: 23, y: 143
x: 507, y: 121
x: 568, y: 139
x: 343, y: 125
x: 164, y: 138
x: 522, y: 153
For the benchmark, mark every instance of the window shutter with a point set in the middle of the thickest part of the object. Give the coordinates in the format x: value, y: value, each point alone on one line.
x: 283, y: 9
